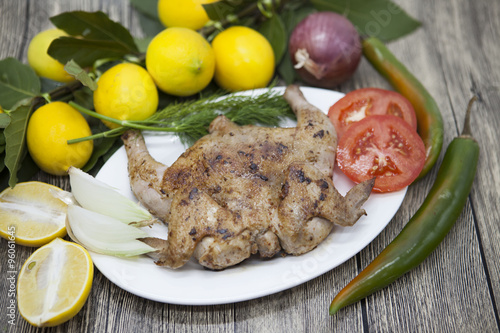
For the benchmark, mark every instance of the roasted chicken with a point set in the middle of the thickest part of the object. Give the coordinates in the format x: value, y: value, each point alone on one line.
x: 242, y: 190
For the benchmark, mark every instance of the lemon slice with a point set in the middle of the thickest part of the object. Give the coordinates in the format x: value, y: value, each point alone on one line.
x: 54, y: 283
x: 31, y: 215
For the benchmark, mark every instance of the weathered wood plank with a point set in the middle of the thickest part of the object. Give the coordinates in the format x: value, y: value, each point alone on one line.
x: 450, y: 284
x: 13, y: 39
x: 454, y: 54
x: 470, y: 66
x: 13, y: 28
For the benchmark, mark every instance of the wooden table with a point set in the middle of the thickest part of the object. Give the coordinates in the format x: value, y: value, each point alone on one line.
x: 457, y: 289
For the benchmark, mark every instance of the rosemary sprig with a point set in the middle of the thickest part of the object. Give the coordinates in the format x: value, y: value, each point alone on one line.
x: 190, y: 119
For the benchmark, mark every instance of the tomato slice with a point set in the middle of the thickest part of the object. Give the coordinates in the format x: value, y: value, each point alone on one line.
x: 381, y: 146
x: 361, y: 103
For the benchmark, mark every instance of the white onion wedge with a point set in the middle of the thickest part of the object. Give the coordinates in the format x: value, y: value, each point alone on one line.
x: 99, y: 197
x: 104, y: 234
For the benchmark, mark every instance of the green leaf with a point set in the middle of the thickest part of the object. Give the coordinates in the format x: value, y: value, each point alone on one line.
x: 4, y: 120
x: 80, y: 74
x: 28, y: 170
x: 101, y: 147
x: 275, y: 32
x: 291, y: 15
x: 147, y: 7
x: 4, y: 178
x: 17, y: 82
x: 147, y: 13
x: 15, y: 138
x: 84, y: 97
x: 105, y: 152
x: 84, y: 51
x: 378, y: 18
x: 286, y: 70
x: 112, y: 150
x: 220, y: 10
x: 48, y: 85
x: 143, y: 43
x: 150, y: 26
x: 95, y: 26
x: 2, y: 150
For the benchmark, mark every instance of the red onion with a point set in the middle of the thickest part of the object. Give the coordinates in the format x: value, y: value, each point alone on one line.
x: 325, y: 49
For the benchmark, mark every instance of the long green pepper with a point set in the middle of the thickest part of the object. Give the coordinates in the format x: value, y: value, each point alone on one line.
x: 427, y: 228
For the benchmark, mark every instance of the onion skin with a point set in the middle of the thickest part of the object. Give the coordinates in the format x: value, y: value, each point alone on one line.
x: 333, y: 48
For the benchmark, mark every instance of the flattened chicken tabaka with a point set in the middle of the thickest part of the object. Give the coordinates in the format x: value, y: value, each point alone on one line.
x: 242, y: 190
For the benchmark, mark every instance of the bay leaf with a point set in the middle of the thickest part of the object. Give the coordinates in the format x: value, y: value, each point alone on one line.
x: 221, y: 10
x: 85, y: 98
x: 101, y: 147
x: 95, y: 26
x: 15, y: 140
x: 28, y: 170
x: 4, y: 178
x: 17, y: 82
x: 143, y: 43
x: 85, y: 51
x: 292, y: 15
x: 49, y: 85
x: 275, y: 32
x: 4, y: 121
x: 80, y: 74
x: 286, y: 70
x: 147, y: 13
x: 149, y: 26
x: 147, y: 7
x: 378, y: 18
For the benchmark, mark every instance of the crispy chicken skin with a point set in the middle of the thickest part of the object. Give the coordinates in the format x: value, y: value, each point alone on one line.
x: 242, y: 190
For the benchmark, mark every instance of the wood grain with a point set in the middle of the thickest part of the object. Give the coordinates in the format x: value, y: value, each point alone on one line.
x: 457, y: 289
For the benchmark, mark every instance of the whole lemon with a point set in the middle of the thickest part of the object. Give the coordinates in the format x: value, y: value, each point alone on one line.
x: 186, y: 13
x: 244, y: 59
x: 180, y: 61
x: 49, y: 129
x: 125, y: 92
x: 43, y: 64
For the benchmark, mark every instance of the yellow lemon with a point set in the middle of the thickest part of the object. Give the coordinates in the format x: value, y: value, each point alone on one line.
x: 180, y: 61
x: 54, y: 283
x: 43, y: 64
x: 31, y: 215
x: 126, y: 92
x: 49, y: 129
x: 183, y: 13
x: 244, y: 59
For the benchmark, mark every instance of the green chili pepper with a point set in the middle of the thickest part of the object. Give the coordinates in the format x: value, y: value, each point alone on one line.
x: 427, y: 228
x: 429, y: 120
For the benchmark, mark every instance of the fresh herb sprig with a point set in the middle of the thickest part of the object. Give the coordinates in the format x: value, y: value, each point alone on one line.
x: 191, y: 119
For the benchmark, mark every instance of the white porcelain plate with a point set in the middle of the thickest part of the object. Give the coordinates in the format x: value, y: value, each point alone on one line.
x: 194, y: 285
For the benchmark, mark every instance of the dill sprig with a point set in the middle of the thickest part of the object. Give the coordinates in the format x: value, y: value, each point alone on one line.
x: 190, y: 119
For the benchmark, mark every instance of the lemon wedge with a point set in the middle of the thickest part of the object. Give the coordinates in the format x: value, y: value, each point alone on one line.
x: 54, y: 283
x: 31, y: 215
